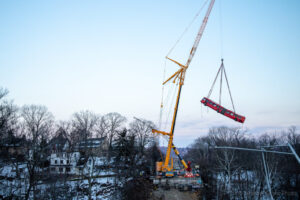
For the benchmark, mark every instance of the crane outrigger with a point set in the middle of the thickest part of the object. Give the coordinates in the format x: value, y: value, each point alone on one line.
x: 178, y: 77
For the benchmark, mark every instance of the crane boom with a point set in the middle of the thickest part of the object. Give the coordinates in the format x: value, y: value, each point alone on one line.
x: 200, y: 33
x: 179, y: 76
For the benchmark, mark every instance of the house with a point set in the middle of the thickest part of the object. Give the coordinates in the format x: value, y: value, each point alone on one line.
x: 95, y: 146
x: 12, y: 146
x: 77, y: 160
x: 93, y: 165
x: 60, y: 142
x: 93, y: 153
x: 62, y: 160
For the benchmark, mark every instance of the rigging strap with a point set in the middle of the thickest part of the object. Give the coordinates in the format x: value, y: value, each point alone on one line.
x: 222, y: 70
x: 212, y: 87
x: 229, y: 89
x: 221, y: 78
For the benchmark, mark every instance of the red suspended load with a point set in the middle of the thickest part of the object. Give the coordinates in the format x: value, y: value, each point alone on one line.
x: 222, y: 110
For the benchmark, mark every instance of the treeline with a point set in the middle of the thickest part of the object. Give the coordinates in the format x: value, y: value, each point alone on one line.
x: 131, y: 156
x: 236, y: 174
x: 36, y: 123
x: 131, y: 150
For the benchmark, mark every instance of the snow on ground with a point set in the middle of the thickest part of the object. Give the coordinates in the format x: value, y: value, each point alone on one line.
x: 72, y: 188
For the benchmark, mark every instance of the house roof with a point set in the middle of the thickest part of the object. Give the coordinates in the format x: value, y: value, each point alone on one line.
x: 90, y: 143
x: 13, y: 141
x: 59, y: 140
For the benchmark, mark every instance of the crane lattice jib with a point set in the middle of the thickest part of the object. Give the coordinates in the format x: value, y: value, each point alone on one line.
x: 180, y: 75
x: 200, y: 33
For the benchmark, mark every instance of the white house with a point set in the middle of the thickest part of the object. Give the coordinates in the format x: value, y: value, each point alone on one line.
x: 86, y: 156
x: 64, y: 162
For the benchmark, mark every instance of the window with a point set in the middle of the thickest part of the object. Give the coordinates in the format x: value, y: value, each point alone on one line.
x: 52, y: 169
x: 90, y: 162
x: 61, y: 169
x: 55, y: 161
x: 68, y: 161
x: 68, y: 169
x: 61, y: 162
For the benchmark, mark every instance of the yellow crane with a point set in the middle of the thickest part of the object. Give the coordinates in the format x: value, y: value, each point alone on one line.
x: 178, y: 77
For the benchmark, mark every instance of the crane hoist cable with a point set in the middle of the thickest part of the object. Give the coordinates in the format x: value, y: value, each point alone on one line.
x: 217, y: 107
x: 170, y: 108
x: 186, y: 29
x: 221, y: 28
x: 162, y: 97
x: 166, y: 100
x: 166, y: 104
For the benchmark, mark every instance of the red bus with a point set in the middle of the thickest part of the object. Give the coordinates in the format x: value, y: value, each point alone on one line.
x: 222, y: 110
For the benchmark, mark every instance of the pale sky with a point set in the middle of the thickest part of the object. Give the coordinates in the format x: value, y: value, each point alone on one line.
x: 108, y: 56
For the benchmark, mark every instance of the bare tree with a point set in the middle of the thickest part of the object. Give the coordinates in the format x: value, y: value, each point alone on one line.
x: 114, y: 122
x: 102, y: 127
x: 292, y: 136
x: 3, y: 92
x: 83, y: 125
x: 142, y: 129
x: 8, y: 116
x: 224, y: 136
x: 272, y: 162
x: 38, y: 123
x: 64, y: 125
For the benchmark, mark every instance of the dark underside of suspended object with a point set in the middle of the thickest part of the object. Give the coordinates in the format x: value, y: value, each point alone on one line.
x: 222, y: 110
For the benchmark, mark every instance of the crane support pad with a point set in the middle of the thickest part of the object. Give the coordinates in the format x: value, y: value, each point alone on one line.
x: 222, y: 110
